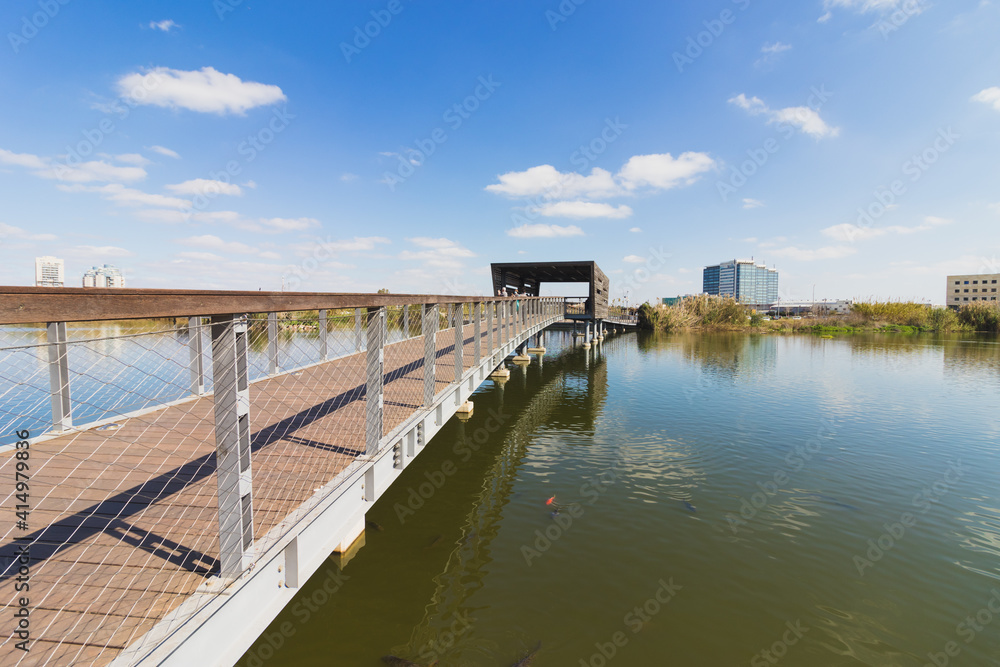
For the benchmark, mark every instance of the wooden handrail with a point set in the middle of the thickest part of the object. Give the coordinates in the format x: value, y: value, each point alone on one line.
x: 25, y: 305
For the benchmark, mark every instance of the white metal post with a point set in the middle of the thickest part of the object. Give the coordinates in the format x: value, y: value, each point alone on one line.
x: 272, y: 343
x: 477, y: 316
x: 429, y: 327
x: 324, y: 337
x: 459, y: 342
x: 375, y: 363
x: 62, y: 415
x: 232, y: 443
x: 197, y: 356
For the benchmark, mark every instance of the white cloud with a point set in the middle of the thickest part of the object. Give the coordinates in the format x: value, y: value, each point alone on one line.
x: 89, y: 172
x: 989, y: 96
x: 165, y: 26
x: 865, y: 6
x: 752, y: 203
x: 163, y: 215
x: 205, y: 187
x: 583, y: 209
x: 206, y: 90
x: 133, y: 158
x: 103, y: 251
x: 357, y: 244
x: 664, y: 171
x: 771, y: 53
x: 543, y: 231
x: 825, y: 17
x: 805, y: 119
x: 287, y: 224
x: 10, y: 231
x: 850, y: 232
x: 211, y: 242
x: 806, y: 255
x: 22, y: 159
x: 633, y: 259
x: 636, y: 230
x: 347, y: 178
x: 547, y: 180
x: 128, y: 196
x: 439, y: 253
x: 658, y: 171
x: 165, y: 151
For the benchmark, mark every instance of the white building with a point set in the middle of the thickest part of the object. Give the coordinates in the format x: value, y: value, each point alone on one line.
x: 963, y: 290
x: 49, y: 272
x: 104, y: 276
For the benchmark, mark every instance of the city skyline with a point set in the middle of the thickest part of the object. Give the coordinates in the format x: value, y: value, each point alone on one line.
x: 347, y: 149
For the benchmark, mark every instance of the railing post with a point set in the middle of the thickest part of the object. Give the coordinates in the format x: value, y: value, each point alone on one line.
x: 197, y: 356
x: 62, y: 414
x: 459, y: 343
x: 324, y: 336
x: 359, y: 340
x: 232, y: 444
x: 272, y: 343
x: 489, y: 330
x: 477, y: 316
x: 374, y: 393
x: 429, y: 327
x: 406, y: 321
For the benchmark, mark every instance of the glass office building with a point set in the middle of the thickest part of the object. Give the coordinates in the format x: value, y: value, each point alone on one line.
x: 748, y: 282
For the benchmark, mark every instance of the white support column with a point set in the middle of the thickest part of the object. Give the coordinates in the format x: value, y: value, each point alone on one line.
x: 406, y: 321
x: 374, y: 392
x: 429, y: 327
x: 62, y: 415
x: 197, y: 356
x: 324, y: 337
x: 232, y: 444
x: 477, y: 317
x: 272, y: 343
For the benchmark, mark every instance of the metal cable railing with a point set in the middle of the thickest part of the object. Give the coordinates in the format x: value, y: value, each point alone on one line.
x: 146, y: 460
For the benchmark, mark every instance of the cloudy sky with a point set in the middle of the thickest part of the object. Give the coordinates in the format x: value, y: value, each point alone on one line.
x: 351, y: 146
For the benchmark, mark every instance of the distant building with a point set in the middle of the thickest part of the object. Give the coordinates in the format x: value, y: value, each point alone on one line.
x: 49, y: 272
x: 839, y: 307
x: 963, y: 290
x: 104, y: 276
x: 674, y: 300
x: 746, y: 281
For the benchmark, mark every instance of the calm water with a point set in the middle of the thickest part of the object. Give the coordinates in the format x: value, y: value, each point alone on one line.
x: 828, y: 502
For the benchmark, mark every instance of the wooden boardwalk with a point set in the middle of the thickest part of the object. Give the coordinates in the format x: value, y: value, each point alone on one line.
x: 123, y: 524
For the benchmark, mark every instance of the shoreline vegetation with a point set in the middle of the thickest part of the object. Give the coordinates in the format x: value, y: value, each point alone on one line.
x: 704, y: 312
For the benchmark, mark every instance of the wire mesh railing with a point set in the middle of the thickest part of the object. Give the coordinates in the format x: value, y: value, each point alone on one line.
x: 143, y: 459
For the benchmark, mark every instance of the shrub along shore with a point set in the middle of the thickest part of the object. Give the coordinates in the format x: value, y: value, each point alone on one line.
x: 726, y: 314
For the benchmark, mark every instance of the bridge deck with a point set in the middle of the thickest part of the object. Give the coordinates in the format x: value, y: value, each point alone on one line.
x: 124, y: 522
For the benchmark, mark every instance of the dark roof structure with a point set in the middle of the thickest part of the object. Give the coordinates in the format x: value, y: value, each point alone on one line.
x: 527, y: 278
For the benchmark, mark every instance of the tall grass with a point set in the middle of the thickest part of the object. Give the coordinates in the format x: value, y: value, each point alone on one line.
x: 697, y: 311
x: 981, y: 317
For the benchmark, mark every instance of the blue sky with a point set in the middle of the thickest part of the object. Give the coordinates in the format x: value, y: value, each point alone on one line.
x: 236, y: 144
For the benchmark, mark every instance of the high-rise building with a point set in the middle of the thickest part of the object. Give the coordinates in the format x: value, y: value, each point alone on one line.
x: 748, y: 282
x: 963, y: 290
x: 104, y: 276
x: 49, y: 272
